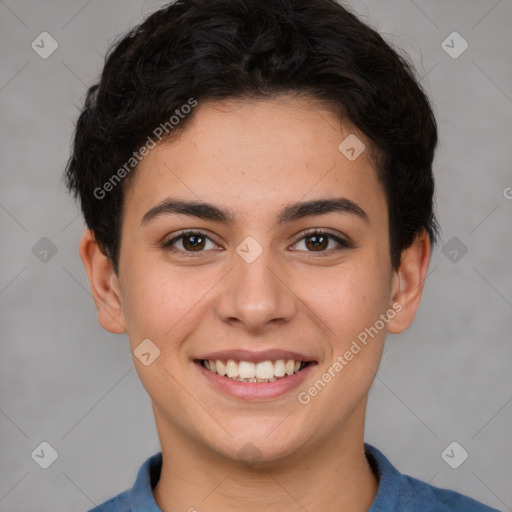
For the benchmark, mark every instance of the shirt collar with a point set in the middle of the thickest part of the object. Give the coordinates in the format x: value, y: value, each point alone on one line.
x: 388, y: 476
x: 141, y: 495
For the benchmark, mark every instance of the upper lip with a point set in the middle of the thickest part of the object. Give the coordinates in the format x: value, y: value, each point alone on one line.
x: 256, y: 357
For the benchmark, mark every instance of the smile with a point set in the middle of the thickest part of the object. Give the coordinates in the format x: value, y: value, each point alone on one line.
x: 262, y: 379
x: 250, y: 372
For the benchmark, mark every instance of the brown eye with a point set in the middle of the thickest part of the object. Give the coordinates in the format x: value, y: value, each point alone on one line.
x: 319, y: 241
x: 192, y: 241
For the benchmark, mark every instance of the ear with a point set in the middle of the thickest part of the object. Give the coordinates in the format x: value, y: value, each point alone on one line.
x: 104, y: 285
x: 408, y: 283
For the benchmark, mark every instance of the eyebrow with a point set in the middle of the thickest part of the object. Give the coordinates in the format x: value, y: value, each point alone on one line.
x: 290, y: 213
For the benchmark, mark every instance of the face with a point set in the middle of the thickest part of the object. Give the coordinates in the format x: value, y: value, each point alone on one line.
x: 289, y: 261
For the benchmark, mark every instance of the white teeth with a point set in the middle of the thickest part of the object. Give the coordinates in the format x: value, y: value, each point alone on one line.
x: 280, y: 368
x: 247, y: 371
x: 232, y: 368
x: 264, y: 370
x: 221, y: 368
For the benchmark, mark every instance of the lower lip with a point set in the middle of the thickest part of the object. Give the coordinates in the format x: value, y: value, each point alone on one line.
x: 253, y: 391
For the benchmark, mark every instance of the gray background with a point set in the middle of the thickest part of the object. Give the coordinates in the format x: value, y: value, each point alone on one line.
x: 66, y: 381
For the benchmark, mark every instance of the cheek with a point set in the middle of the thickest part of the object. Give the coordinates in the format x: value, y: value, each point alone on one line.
x: 156, y: 303
x: 159, y: 306
x: 166, y: 305
x: 347, y: 298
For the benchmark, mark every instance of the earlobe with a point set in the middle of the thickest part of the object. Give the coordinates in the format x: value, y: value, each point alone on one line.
x: 104, y: 285
x: 408, y: 283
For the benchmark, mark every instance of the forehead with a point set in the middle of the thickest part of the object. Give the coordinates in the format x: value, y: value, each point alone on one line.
x: 253, y: 156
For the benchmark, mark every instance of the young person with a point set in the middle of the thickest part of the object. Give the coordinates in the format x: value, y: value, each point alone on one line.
x: 256, y: 178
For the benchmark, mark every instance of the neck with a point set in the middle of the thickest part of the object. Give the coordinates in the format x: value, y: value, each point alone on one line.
x: 332, y: 476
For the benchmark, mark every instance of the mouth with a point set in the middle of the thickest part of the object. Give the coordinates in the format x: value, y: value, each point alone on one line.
x: 254, y: 372
x: 255, y: 376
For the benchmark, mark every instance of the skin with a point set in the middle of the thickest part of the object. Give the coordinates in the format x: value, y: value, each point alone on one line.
x: 255, y: 157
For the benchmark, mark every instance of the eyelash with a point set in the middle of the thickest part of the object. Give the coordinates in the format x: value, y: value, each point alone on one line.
x: 342, y: 244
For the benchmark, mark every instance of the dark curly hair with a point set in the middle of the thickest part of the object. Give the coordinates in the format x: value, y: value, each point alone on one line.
x: 196, y: 50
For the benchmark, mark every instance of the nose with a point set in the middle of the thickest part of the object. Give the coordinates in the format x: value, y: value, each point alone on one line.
x: 256, y: 295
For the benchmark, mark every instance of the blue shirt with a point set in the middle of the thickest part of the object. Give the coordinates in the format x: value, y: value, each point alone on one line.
x: 397, y: 492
